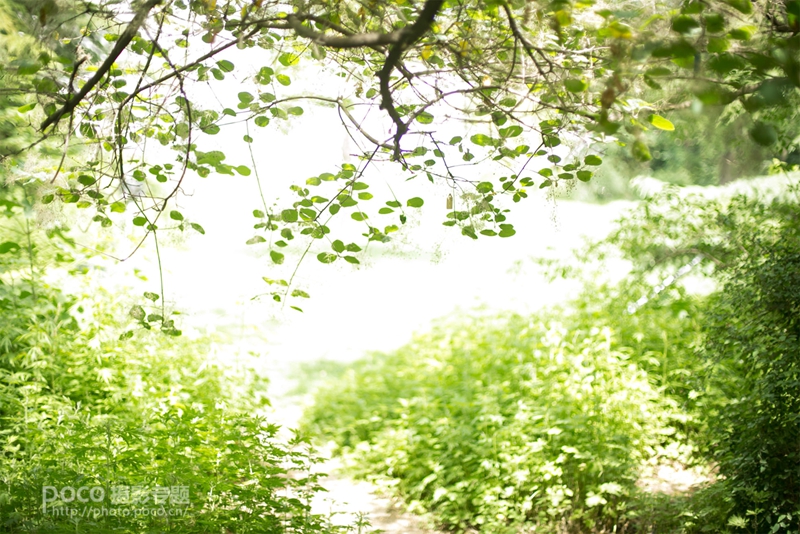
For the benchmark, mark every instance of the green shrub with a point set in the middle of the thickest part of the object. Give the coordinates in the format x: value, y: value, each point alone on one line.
x: 80, y: 407
x: 754, y: 338
x: 744, y: 391
x: 501, y: 423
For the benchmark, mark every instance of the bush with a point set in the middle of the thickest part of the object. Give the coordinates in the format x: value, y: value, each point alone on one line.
x: 501, y: 423
x: 754, y: 337
x: 745, y: 391
x: 80, y: 407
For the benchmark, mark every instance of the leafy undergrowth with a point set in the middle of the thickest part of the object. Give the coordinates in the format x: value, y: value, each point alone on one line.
x: 508, y: 424
x: 151, y: 412
x: 149, y: 432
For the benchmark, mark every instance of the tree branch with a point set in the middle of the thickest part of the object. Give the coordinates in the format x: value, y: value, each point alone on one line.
x: 122, y: 43
x: 357, y: 40
x: 408, y: 36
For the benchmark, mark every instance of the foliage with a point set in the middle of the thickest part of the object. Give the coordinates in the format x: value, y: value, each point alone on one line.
x: 447, y: 419
x: 81, y: 407
x: 535, y: 77
x: 753, y: 337
x: 503, y: 423
x: 743, y: 392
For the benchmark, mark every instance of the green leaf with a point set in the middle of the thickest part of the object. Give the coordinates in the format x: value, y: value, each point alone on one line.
x: 511, y: 131
x: 139, y: 221
x: 126, y: 335
x: 243, y: 170
x: 484, y: 187
x: 225, y: 65
x: 289, y: 215
x: 660, y: 122
x: 715, y: 22
x: 149, y: 295
x: 197, y: 228
x: 175, y: 215
x: 745, y: 33
x: 592, y: 159
x: 27, y: 107
x: 137, y: 312
x: 26, y: 68
x: 575, y: 85
x: 424, y: 118
x: 351, y: 259
x: 584, y: 176
x: 744, y: 6
x: 507, y: 230
x: 254, y: 240
x: 551, y: 141
x: 326, y: 257
x: 276, y: 257
x: 283, y: 79
x: 718, y: 45
x: 261, y: 121
x: 295, y: 110
x: 482, y: 140
x: 358, y: 216
x: 245, y: 97
x: 415, y: 202
x: 8, y: 246
x: 685, y: 24
x: 86, y: 180
x: 287, y: 59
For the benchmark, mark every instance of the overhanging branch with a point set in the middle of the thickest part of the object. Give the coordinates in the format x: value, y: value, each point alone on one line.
x: 357, y: 40
x: 122, y: 43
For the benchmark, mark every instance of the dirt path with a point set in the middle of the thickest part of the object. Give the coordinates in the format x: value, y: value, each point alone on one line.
x: 346, y: 499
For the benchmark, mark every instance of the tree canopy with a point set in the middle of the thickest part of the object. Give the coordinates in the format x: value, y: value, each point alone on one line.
x: 101, y: 83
